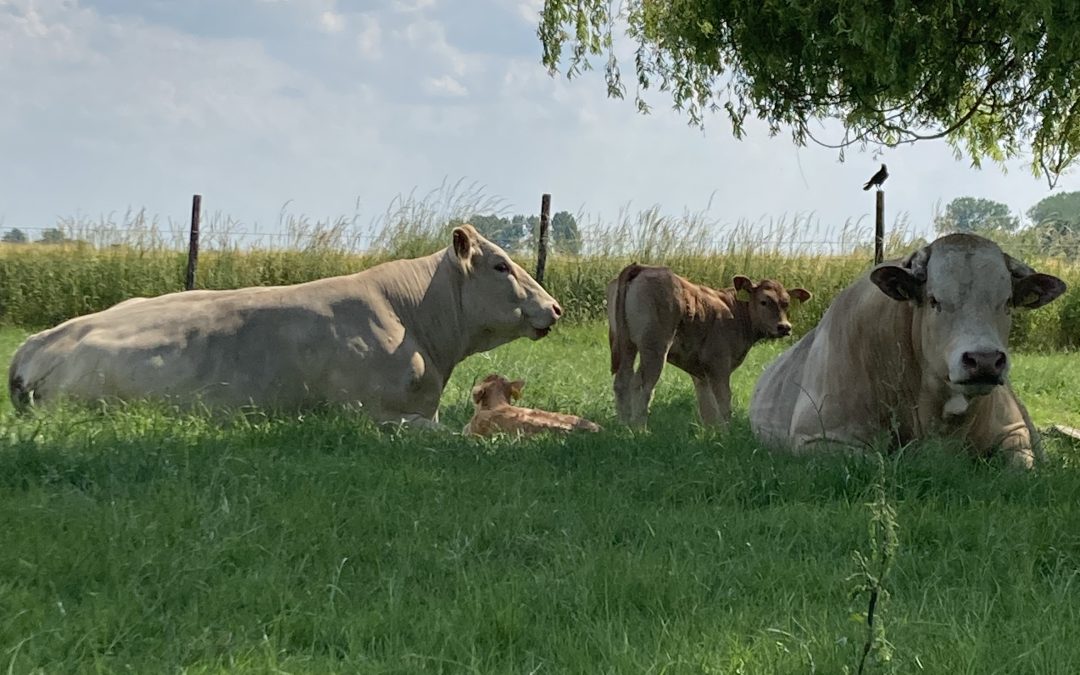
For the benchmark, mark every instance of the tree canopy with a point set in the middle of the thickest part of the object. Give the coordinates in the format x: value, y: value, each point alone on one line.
x: 1060, y: 212
x: 972, y: 214
x: 995, y: 79
x: 15, y: 236
x: 520, y: 232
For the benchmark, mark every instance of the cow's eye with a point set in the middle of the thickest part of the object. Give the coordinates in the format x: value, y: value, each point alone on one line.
x: 934, y: 303
x: 502, y: 267
x: 764, y: 303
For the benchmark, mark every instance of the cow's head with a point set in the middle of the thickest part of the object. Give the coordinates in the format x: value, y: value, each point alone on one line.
x: 769, y: 303
x: 495, y: 390
x: 963, y: 289
x: 499, y: 299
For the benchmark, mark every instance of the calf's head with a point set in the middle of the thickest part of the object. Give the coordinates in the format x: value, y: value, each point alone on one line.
x: 495, y: 390
x: 769, y: 303
x: 963, y: 289
x: 500, y: 301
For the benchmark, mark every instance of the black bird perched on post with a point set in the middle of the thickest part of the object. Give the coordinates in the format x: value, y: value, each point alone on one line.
x: 877, y: 179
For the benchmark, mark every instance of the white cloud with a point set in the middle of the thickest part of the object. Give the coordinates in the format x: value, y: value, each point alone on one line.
x: 331, y: 22
x: 529, y: 10
x: 369, y: 37
x: 122, y: 109
x: 445, y: 85
x: 413, y: 5
x: 430, y: 35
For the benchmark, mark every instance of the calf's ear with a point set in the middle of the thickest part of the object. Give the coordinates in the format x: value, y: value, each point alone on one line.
x: 1036, y: 289
x: 743, y: 287
x: 897, y: 282
x: 478, y: 393
x: 800, y: 295
x: 515, y: 389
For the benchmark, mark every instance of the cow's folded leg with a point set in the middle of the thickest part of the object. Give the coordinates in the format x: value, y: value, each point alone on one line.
x: 413, y: 421
x: 1018, y: 445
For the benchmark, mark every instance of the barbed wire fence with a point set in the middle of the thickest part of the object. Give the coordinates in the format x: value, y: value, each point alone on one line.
x: 648, y: 234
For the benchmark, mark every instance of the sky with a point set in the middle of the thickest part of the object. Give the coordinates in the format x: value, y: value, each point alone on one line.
x: 332, y: 108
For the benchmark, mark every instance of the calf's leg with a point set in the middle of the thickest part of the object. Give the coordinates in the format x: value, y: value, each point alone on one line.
x: 624, y: 387
x: 721, y: 389
x: 707, y: 405
x: 648, y: 374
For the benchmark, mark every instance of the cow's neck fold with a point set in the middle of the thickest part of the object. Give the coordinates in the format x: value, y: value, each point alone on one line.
x: 427, y: 298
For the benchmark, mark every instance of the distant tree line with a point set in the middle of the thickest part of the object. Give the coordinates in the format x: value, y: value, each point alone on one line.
x: 514, y: 233
x: 52, y: 235
x: 519, y: 232
x: 1053, y: 223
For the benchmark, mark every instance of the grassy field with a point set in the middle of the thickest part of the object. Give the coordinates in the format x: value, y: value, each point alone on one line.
x: 145, y: 542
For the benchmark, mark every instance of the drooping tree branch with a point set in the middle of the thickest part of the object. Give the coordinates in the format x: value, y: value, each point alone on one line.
x: 1000, y: 83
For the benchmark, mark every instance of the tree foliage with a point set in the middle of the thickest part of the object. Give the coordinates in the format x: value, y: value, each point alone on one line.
x: 53, y: 235
x: 519, y: 232
x: 972, y: 214
x: 994, y: 78
x: 1055, y: 223
x: 1060, y: 212
x: 15, y: 236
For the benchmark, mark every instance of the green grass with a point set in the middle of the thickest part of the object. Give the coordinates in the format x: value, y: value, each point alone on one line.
x: 146, y: 542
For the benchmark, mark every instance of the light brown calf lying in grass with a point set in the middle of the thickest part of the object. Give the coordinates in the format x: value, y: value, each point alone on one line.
x: 496, y: 414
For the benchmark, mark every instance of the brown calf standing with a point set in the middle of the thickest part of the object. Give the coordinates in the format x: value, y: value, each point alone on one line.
x: 659, y: 315
x: 495, y: 413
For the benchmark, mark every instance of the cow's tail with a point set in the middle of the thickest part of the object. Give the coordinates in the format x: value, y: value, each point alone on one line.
x: 618, y: 333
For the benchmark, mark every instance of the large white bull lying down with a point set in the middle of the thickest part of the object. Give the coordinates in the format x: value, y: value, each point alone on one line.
x: 916, y: 348
x: 386, y: 338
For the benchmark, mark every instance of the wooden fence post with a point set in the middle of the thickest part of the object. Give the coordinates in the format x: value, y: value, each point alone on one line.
x: 879, y: 228
x: 193, y: 243
x: 542, y: 246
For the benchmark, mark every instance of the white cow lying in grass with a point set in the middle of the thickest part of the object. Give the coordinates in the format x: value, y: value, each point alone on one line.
x: 386, y: 339
x: 916, y: 348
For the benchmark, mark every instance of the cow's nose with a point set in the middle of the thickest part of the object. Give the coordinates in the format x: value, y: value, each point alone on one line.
x: 557, y: 310
x: 783, y: 329
x: 984, y: 364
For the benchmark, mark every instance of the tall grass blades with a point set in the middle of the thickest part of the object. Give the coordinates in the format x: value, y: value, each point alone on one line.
x: 97, y: 263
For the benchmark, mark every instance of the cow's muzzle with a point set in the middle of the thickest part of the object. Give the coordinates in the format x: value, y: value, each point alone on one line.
x: 540, y: 328
x: 985, y: 367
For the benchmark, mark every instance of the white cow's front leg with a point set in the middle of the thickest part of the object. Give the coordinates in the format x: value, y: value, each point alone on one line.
x: 404, y: 389
x: 415, y: 421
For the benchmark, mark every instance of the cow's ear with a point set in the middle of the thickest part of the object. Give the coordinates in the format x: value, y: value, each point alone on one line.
x: 515, y: 389
x: 1036, y: 290
x: 896, y: 282
x: 800, y: 295
x: 743, y: 287
x: 478, y: 393
x: 464, y: 237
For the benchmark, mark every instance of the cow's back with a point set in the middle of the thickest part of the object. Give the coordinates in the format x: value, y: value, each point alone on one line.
x: 264, y: 345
